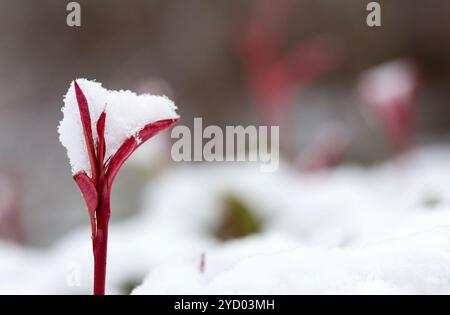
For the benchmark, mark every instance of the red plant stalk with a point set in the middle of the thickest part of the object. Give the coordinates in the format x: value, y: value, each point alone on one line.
x: 96, y: 190
x: 100, y: 243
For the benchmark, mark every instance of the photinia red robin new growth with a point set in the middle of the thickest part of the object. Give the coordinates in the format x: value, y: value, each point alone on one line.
x: 109, y: 127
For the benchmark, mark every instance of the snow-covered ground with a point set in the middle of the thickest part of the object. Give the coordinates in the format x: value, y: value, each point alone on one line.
x: 384, y: 229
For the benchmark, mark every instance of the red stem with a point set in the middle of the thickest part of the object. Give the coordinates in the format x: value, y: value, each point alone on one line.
x: 100, y: 241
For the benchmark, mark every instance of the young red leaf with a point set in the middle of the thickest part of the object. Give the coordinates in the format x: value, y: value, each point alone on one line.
x: 101, y: 145
x: 87, y: 130
x: 90, y: 196
x: 131, y: 144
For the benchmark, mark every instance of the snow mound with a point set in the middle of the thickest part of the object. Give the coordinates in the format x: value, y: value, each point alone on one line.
x: 415, y: 264
x: 384, y: 229
x: 126, y: 114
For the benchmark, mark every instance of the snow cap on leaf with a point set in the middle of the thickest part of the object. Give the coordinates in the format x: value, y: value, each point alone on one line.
x: 126, y: 115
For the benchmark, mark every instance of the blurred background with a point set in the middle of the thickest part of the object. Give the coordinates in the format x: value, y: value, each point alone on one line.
x: 295, y: 63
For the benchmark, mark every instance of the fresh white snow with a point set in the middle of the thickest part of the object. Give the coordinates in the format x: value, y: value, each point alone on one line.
x: 126, y: 114
x: 383, y: 229
x: 274, y: 264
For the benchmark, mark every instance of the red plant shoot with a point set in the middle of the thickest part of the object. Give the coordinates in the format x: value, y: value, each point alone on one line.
x: 96, y: 190
x: 389, y: 91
